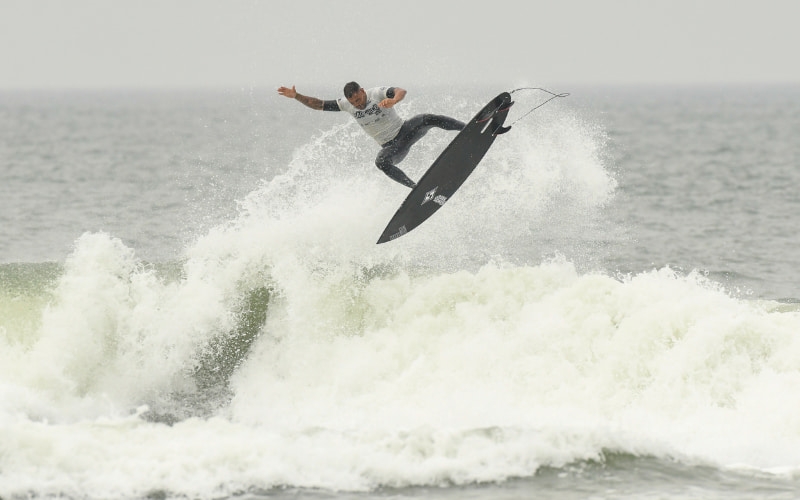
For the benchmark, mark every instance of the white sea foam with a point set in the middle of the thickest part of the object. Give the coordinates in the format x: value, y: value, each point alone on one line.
x: 411, y: 363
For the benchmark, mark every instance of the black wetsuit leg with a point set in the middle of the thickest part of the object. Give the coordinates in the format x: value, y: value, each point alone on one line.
x: 412, y: 130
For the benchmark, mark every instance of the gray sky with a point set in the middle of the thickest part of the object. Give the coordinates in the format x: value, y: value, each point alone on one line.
x: 158, y: 43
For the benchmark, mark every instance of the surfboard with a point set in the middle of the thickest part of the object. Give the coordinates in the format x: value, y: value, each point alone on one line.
x: 451, y: 168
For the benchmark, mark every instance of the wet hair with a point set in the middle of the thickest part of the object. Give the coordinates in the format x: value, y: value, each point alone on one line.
x: 350, y: 89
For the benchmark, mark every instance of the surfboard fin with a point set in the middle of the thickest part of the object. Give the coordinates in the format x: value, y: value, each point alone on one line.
x: 499, y: 128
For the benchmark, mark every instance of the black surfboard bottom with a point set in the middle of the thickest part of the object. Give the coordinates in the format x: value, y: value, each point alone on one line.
x: 453, y: 166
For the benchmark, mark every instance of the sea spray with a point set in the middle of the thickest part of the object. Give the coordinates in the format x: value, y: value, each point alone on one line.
x: 285, y: 350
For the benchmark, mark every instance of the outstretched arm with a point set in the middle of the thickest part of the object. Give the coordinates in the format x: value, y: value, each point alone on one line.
x: 399, y: 94
x: 311, y: 102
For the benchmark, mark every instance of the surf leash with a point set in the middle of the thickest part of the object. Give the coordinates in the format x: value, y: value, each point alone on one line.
x: 553, y: 95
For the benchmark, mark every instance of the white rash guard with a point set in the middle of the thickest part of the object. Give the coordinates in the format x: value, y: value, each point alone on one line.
x: 382, y: 124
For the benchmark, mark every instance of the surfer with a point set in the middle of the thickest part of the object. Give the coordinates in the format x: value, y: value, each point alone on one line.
x: 373, y: 109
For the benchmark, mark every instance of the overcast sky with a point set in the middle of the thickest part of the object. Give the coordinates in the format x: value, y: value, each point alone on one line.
x: 267, y: 43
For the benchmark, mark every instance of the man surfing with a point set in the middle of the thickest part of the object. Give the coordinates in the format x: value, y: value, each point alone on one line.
x: 373, y: 109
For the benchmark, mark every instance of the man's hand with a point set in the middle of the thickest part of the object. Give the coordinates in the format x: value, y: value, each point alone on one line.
x: 399, y: 94
x: 291, y: 93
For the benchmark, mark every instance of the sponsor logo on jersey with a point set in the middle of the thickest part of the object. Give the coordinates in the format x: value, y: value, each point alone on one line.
x: 373, y: 110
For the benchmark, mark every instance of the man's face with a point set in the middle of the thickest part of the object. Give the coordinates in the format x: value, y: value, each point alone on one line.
x: 359, y: 99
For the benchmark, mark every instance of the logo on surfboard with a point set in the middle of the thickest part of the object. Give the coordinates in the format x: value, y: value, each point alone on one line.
x: 400, y: 232
x: 431, y: 196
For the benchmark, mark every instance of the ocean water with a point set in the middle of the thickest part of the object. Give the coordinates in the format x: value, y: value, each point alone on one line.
x: 192, y: 304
